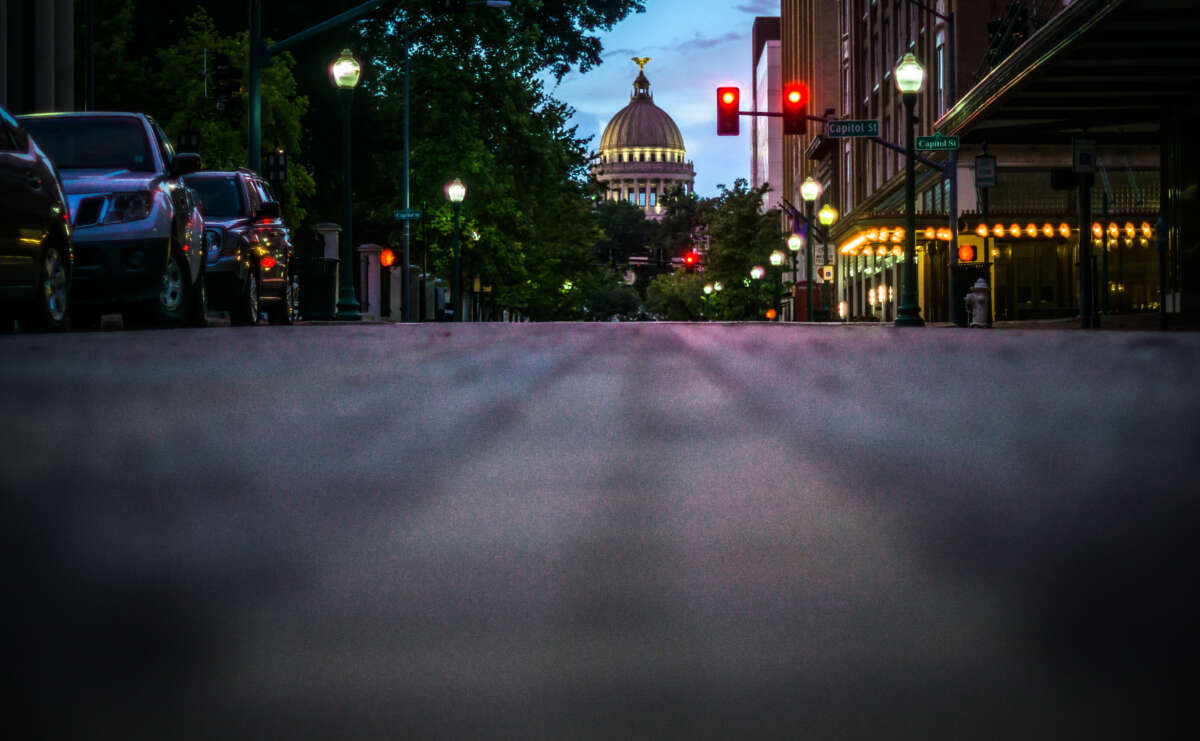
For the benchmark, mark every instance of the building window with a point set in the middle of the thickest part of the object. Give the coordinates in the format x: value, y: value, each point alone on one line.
x: 653, y: 198
x: 641, y: 198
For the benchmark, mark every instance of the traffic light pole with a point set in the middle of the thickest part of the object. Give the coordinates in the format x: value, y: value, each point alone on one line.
x: 261, y: 56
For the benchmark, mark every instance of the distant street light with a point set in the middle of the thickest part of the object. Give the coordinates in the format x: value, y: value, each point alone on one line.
x: 828, y: 216
x: 456, y: 192
x: 810, y: 191
x: 910, y: 78
x: 344, y: 73
x: 756, y: 274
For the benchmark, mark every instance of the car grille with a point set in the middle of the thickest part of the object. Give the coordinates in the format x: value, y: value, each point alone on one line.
x: 88, y: 211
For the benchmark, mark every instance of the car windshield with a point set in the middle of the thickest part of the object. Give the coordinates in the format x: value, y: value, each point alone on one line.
x: 92, y: 143
x: 221, y: 197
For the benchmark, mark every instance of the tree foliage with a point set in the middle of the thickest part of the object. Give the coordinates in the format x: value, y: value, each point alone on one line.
x: 676, y: 296
x: 741, y: 236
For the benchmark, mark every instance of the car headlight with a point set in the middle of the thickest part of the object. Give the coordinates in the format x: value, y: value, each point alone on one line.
x: 128, y: 206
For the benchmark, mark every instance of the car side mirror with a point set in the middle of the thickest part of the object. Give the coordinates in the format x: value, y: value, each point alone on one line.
x: 267, y: 210
x: 187, y: 163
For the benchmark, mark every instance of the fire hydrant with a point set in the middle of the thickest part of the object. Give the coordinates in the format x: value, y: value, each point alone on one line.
x: 977, y: 304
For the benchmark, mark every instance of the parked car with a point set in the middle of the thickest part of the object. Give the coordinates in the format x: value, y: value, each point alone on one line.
x: 138, y: 232
x: 35, y: 234
x: 251, y: 260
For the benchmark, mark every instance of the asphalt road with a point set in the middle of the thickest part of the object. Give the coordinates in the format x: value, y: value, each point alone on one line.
x: 599, y: 531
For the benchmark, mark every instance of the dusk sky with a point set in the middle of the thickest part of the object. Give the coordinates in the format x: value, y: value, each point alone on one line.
x: 695, y: 46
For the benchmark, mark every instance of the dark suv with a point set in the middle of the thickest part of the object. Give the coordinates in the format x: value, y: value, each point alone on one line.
x: 137, y: 231
x: 35, y: 236
x: 251, y: 260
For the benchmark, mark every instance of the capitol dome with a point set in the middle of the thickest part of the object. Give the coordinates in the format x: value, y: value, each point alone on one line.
x: 641, y: 151
x: 641, y: 124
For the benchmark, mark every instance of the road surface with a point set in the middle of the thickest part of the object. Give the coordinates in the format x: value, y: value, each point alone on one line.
x: 600, y: 531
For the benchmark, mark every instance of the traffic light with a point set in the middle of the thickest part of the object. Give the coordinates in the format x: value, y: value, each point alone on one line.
x: 966, y: 253
x: 226, y: 79
x: 795, y: 108
x: 690, y: 260
x: 387, y: 257
x: 727, y: 111
x: 277, y: 166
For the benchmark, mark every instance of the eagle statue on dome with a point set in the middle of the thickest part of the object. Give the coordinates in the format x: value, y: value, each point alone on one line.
x: 641, y: 62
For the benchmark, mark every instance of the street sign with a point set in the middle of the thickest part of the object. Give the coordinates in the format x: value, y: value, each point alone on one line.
x: 848, y: 128
x: 827, y: 273
x: 937, y: 142
x: 1085, y: 156
x: 985, y: 171
x: 406, y: 214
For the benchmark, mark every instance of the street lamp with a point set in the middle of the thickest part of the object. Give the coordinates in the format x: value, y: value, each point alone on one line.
x: 910, y: 78
x: 456, y: 192
x: 756, y: 274
x: 810, y: 191
x: 794, y: 243
x: 344, y: 73
x: 406, y: 301
x: 777, y: 259
x: 828, y: 216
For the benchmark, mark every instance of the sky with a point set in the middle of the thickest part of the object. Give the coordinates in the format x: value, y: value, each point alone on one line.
x: 695, y: 46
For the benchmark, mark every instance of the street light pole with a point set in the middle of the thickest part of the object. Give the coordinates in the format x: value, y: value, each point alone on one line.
x: 345, y: 72
x: 810, y: 191
x: 909, y: 75
x: 794, y: 243
x: 756, y: 274
x: 456, y: 192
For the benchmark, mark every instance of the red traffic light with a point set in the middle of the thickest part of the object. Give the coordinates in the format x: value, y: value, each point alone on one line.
x: 966, y: 253
x: 690, y: 257
x: 727, y: 111
x: 387, y: 258
x: 795, y: 108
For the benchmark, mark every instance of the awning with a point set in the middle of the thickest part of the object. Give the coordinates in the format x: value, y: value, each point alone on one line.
x: 1105, y: 66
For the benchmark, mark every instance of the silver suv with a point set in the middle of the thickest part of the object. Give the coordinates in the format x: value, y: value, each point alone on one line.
x: 138, y: 231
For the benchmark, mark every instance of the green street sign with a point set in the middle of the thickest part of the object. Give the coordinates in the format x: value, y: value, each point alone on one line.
x: 406, y: 214
x: 848, y: 128
x: 937, y: 142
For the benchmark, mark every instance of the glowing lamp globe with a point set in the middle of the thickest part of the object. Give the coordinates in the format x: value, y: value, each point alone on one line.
x: 345, y: 71
x: 456, y: 191
x: 910, y: 75
x: 810, y: 190
x: 795, y: 242
x: 827, y: 215
x: 777, y: 258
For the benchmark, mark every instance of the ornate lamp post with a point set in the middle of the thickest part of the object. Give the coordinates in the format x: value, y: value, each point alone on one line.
x: 456, y: 192
x: 828, y: 216
x: 810, y: 191
x: 778, y: 257
x: 794, y: 243
x: 910, y: 78
x: 756, y: 274
x: 344, y: 73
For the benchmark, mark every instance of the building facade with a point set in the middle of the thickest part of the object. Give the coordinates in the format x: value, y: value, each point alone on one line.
x: 641, y: 152
x: 766, y: 133
x: 37, y: 55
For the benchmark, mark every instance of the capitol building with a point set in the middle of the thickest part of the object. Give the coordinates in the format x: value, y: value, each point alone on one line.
x: 641, y: 152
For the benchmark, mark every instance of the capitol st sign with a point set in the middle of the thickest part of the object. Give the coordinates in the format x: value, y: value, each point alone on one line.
x: 849, y: 128
x: 937, y: 142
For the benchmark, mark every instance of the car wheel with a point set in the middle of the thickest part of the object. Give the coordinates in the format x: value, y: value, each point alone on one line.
x: 245, y: 310
x: 50, y: 305
x: 198, y: 316
x: 170, y: 308
x: 287, y: 310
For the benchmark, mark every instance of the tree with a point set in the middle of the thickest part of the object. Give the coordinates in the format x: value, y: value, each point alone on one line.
x: 181, y: 106
x: 677, y: 296
x: 625, y: 231
x: 740, y: 237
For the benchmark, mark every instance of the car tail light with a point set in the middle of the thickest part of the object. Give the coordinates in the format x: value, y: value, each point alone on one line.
x: 267, y: 262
